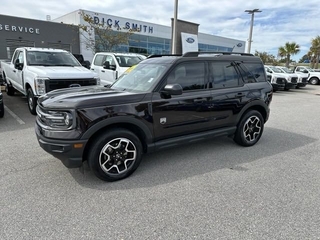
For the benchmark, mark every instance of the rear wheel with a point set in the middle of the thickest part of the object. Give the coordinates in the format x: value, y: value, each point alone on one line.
x: 32, y: 101
x: 314, y: 81
x: 115, y: 155
x: 249, y: 129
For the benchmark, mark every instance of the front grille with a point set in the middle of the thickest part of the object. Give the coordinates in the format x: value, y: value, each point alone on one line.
x: 281, y: 81
x: 54, y: 84
x: 294, y: 80
x: 304, y: 80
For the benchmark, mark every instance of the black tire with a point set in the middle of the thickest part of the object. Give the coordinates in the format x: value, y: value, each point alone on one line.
x: 115, y: 155
x: 32, y: 101
x: 249, y: 129
x: 314, y: 81
x: 9, y: 89
x: 1, y: 110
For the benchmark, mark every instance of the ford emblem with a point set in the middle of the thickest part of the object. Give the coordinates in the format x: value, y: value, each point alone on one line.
x: 190, y: 40
x: 239, y: 45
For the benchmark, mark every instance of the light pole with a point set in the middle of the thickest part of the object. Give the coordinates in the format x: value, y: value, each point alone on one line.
x: 251, y: 26
x: 174, y: 37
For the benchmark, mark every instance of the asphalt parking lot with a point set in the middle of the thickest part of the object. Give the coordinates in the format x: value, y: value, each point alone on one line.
x: 209, y: 190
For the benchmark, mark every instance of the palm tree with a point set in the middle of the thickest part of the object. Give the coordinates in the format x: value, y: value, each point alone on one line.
x: 287, y: 50
x: 315, y: 51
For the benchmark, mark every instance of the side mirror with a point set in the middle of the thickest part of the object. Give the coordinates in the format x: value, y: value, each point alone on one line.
x: 18, y: 65
x: 172, y: 89
x: 106, y: 65
x: 305, y: 71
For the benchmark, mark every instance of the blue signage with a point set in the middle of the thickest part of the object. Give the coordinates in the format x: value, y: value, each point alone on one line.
x: 128, y: 25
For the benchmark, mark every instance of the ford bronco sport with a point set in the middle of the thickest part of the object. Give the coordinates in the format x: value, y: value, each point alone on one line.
x: 163, y: 102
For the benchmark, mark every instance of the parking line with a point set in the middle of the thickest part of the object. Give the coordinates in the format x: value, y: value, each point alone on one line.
x: 19, y: 120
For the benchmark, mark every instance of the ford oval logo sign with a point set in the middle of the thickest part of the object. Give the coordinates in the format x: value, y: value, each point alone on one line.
x: 190, y: 40
x: 239, y: 45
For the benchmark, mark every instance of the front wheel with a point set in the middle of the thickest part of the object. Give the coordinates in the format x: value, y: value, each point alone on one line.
x: 314, y: 81
x: 115, y: 155
x: 32, y: 102
x: 249, y: 129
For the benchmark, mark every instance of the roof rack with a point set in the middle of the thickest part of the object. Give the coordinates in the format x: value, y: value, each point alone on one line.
x: 163, y: 55
x: 196, y: 54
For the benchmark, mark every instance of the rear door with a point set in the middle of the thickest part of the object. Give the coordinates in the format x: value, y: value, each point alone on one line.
x: 229, y: 93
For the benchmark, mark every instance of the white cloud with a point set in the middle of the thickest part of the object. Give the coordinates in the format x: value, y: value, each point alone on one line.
x: 278, y: 23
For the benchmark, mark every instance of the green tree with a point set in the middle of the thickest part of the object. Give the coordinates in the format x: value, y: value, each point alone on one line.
x: 304, y: 57
x: 287, y: 50
x: 266, y: 58
x: 315, y: 52
x: 101, y: 36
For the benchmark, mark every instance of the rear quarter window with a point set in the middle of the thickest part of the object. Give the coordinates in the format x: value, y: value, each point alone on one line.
x: 253, y: 72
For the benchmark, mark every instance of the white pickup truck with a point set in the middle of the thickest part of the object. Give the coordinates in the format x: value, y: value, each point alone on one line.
x: 109, y: 66
x: 36, y: 71
x: 314, y: 76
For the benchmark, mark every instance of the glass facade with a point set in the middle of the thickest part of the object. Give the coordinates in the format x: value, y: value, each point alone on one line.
x: 155, y: 45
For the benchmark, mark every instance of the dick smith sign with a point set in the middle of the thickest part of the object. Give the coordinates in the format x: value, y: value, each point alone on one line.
x: 21, y: 29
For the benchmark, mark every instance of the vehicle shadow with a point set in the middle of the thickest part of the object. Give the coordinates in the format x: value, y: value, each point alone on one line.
x: 196, y: 159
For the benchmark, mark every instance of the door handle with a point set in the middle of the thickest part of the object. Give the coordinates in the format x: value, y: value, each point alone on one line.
x: 102, y: 71
x: 14, y: 70
x: 92, y: 69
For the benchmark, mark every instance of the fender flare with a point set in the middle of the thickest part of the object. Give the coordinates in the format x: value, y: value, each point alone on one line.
x: 118, y: 120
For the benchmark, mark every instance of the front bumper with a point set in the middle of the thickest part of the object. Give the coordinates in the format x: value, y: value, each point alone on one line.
x: 277, y: 87
x: 302, y: 84
x: 290, y: 85
x: 64, y: 150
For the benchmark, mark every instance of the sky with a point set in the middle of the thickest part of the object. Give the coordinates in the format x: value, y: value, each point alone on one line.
x: 279, y: 22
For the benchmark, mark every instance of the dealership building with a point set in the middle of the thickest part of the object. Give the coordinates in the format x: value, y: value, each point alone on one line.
x: 63, y: 32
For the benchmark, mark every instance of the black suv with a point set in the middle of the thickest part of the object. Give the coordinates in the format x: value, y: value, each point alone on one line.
x: 164, y: 101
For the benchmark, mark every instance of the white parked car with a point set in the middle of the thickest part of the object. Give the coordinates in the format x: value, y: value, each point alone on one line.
x: 314, y: 77
x: 290, y: 80
x: 109, y: 66
x: 302, y: 77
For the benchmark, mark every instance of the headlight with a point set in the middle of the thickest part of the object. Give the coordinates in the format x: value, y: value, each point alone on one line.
x: 56, y: 119
x: 40, y: 85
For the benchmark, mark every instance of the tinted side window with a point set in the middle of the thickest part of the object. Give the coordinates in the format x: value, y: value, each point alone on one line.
x: 190, y: 76
x: 224, y: 75
x: 257, y: 71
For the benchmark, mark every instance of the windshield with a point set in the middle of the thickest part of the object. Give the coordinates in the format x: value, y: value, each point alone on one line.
x: 140, y: 78
x: 276, y: 70
x: 127, y: 60
x: 286, y: 70
x: 39, y: 58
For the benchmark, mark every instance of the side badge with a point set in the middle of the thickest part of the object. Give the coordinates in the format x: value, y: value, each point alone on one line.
x: 163, y: 120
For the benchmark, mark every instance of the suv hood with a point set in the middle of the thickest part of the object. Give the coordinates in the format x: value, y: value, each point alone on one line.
x: 61, y: 72
x: 87, y: 97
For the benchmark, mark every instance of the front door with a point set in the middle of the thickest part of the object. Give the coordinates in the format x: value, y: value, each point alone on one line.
x: 187, y: 113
